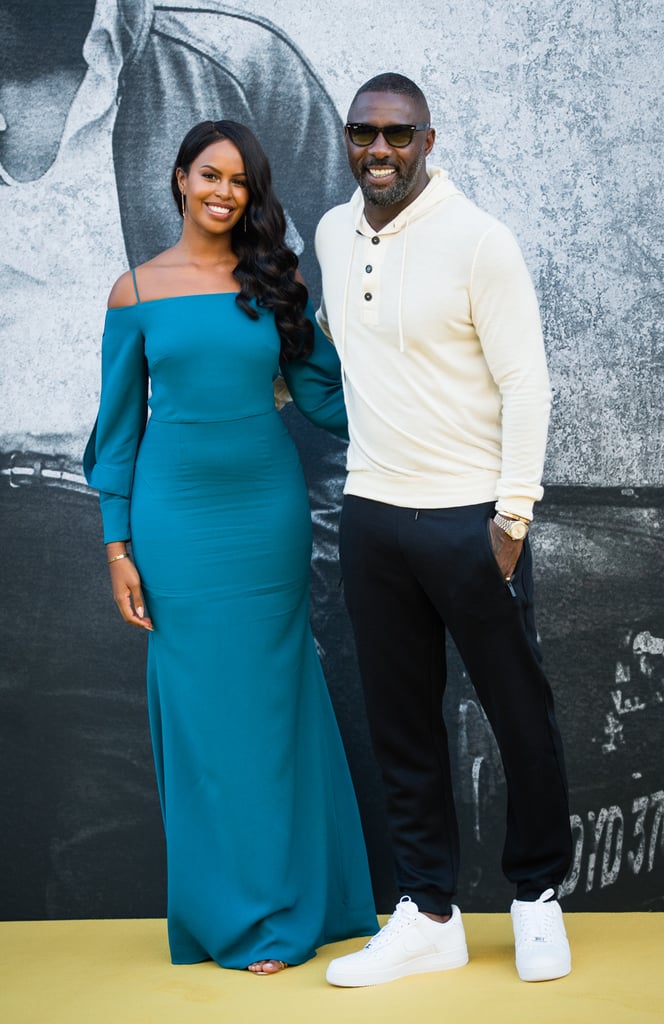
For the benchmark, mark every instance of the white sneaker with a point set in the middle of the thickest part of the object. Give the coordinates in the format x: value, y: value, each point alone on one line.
x: 542, y: 949
x: 410, y: 943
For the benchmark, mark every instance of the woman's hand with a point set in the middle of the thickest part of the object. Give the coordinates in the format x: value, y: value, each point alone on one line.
x: 126, y: 584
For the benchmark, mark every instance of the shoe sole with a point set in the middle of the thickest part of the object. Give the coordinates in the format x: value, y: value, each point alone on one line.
x: 539, y: 975
x: 421, y: 965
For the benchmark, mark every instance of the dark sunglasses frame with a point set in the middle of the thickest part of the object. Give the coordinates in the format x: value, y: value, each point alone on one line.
x: 388, y: 132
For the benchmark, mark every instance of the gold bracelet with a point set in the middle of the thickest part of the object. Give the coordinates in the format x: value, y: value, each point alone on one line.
x: 515, y: 518
x: 117, y: 558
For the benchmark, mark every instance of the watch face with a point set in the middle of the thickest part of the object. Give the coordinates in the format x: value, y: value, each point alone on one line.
x: 518, y: 531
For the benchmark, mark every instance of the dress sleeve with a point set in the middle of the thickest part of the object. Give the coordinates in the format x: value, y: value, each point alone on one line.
x: 315, y: 384
x: 110, y: 454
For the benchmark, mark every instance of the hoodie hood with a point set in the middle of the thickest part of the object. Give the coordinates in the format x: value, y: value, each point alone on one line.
x: 439, y: 189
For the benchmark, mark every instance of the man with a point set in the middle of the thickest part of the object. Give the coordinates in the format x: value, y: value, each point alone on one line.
x: 95, y: 97
x: 430, y: 305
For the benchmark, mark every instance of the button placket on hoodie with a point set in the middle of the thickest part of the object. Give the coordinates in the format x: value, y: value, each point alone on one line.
x: 370, y: 256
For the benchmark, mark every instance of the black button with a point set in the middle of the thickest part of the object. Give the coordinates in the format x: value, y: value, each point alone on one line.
x: 368, y: 268
x: 375, y: 240
x: 368, y: 296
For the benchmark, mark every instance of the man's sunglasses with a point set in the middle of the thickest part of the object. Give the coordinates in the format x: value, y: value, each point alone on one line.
x: 396, y: 135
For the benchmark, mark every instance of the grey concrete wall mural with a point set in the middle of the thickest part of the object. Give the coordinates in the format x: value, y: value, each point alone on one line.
x: 548, y: 115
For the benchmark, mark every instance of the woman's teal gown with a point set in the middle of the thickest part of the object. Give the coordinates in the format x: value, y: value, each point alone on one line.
x: 265, y: 852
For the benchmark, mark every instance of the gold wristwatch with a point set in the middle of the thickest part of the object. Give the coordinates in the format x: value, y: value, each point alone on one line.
x: 514, y: 527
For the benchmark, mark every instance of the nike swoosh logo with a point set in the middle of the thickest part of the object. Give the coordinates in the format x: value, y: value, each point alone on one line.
x: 414, y: 943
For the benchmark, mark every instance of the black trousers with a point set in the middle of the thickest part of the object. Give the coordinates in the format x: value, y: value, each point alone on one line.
x: 408, y: 576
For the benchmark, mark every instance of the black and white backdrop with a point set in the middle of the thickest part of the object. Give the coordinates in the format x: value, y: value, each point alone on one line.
x: 548, y: 114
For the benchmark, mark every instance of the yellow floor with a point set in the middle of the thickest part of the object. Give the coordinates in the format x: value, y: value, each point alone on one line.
x: 117, y: 972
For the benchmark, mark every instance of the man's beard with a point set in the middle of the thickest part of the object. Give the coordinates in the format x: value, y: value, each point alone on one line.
x: 398, y: 191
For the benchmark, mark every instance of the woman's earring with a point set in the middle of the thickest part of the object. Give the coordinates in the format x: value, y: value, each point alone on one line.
x: 245, y: 223
x: 184, y: 209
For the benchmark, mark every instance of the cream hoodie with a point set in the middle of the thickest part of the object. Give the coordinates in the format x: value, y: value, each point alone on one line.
x: 436, y: 322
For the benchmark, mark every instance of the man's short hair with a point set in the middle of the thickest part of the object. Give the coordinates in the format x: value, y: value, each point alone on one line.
x: 392, y: 81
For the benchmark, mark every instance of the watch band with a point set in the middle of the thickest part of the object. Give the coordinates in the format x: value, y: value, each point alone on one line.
x: 516, y: 528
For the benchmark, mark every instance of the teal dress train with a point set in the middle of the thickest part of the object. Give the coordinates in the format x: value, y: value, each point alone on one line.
x: 265, y: 853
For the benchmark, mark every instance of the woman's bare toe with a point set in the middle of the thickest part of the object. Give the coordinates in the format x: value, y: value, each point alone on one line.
x: 267, y: 967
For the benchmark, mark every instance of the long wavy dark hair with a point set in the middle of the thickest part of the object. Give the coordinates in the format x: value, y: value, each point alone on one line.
x: 266, y: 266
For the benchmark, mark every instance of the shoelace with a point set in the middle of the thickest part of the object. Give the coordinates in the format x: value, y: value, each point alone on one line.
x: 404, y: 913
x: 536, y: 920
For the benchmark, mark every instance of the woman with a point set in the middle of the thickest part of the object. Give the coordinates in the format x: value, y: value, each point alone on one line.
x: 264, y: 846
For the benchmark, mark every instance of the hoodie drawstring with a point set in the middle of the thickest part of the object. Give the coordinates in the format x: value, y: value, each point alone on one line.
x: 344, y: 320
x: 402, y: 344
